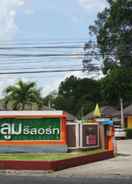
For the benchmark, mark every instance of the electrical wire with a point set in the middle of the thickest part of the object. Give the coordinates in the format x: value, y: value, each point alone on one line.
x: 16, y: 59
x: 40, y: 71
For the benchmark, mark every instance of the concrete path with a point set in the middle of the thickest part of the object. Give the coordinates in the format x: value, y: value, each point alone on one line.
x: 118, y: 166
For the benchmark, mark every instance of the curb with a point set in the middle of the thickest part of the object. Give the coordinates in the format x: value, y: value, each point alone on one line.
x: 54, y: 165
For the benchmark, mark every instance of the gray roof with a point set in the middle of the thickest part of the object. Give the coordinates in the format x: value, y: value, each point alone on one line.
x: 128, y: 110
x: 32, y: 107
x: 106, y: 111
x: 70, y: 117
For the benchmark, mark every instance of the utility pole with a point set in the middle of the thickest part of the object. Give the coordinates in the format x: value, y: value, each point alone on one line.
x: 49, y: 103
x: 82, y: 113
x: 122, y: 113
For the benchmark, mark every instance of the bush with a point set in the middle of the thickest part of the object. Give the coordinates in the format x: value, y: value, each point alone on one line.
x: 129, y: 133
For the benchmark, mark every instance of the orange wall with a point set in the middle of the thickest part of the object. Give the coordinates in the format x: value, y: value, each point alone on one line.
x: 129, y: 121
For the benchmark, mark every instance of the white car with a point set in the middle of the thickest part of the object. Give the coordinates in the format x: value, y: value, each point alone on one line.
x: 120, y: 133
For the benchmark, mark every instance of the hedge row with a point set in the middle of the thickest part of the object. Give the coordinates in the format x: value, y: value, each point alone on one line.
x: 129, y: 133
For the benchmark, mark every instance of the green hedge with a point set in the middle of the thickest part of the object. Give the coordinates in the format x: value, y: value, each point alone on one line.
x: 129, y: 133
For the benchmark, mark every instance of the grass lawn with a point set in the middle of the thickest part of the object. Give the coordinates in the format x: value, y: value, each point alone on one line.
x: 46, y: 156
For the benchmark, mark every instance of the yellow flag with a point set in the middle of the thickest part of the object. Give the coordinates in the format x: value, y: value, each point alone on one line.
x: 97, y: 112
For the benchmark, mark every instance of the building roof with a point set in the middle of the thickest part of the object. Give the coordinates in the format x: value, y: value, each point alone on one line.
x: 32, y: 107
x: 70, y: 117
x: 128, y: 110
x: 106, y: 111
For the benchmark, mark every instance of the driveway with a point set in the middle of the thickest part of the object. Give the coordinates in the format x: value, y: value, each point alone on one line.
x: 118, y: 166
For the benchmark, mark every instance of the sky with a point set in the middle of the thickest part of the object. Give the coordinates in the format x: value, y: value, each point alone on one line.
x: 40, y: 22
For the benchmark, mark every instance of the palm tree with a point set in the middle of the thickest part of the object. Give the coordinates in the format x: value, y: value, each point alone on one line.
x: 22, y: 94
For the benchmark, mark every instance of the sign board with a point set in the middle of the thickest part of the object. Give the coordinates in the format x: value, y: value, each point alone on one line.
x: 89, y: 135
x: 30, y: 129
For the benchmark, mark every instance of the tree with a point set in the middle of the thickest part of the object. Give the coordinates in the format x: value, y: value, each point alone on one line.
x: 78, y: 96
x: 116, y: 85
x: 88, y: 94
x: 22, y: 94
x: 66, y: 99
x: 49, y: 99
x: 113, y: 31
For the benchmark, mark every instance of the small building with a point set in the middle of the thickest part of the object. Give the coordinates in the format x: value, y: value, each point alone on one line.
x: 128, y: 116
x: 106, y: 112
x: 127, y: 112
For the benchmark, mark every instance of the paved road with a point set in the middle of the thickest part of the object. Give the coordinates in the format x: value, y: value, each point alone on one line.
x: 63, y: 180
x: 114, y: 171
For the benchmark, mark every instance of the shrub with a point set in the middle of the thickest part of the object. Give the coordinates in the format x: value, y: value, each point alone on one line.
x: 129, y: 133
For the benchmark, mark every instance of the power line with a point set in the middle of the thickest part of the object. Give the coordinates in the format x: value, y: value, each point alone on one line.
x: 43, y: 47
x: 59, y: 46
x: 59, y: 55
x: 43, y: 55
x: 45, y: 41
x: 29, y: 57
x: 36, y: 62
x: 31, y: 68
x: 41, y: 71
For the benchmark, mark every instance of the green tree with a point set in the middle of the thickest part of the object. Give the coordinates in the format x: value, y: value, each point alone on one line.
x: 49, y: 99
x: 22, y: 94
x: 113, y: 30
x: 66, y: 99
x: 116, y: 85
x: 88, y: 94
x: 78, y: 96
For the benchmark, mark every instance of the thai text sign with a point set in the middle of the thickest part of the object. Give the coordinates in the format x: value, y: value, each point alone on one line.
x: 30, y: 129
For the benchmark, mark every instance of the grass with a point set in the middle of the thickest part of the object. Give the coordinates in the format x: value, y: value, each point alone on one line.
x: 46, y: 156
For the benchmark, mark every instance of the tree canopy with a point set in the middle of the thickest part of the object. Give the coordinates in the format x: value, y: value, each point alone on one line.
x: 113, y: 31
x: 22, y: 94
x: 77, y: 96
x: 116, y: 85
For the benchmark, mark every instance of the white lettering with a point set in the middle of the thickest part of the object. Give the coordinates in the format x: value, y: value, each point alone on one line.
x: 33, y: 131
x: 16, y: 130
x: 26, y: 131
x: 41, y: 131
x: 5, y: 129
x: 48, y: 131
x: 56, y: 131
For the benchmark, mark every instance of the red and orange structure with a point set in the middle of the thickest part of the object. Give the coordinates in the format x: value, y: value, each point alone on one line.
x: 19, y: 131
x: 49, y: 131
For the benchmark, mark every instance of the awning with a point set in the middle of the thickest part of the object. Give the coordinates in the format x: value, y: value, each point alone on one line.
x: 104, y: 121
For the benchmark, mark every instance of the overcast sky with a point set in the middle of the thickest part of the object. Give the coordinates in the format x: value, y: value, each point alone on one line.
x: 41, y: 21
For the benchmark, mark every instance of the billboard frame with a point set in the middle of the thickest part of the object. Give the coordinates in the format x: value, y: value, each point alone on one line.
x: 81, y: 136
x: 62, y: 141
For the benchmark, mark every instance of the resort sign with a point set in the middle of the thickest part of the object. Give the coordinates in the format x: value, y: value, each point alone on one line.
x: 30, y: 129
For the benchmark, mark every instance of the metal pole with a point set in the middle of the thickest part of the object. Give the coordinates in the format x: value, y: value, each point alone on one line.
x: 122, y: 114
